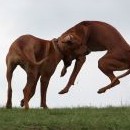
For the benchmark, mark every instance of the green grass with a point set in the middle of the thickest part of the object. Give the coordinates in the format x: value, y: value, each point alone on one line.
x: 111, y: 118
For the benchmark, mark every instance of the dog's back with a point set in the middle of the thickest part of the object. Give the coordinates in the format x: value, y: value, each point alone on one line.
x: 27, y: 48
x: 100, y: 36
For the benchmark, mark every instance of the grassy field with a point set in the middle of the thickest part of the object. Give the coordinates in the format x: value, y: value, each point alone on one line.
x: 111, y: 118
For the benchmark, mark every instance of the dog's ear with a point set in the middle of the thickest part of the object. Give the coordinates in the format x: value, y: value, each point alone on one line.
x: 54, y: 40
x: 68, y: 38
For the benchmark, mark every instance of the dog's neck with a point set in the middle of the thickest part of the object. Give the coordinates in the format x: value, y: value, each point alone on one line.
x: 58, y: 50
x: 47, y: 50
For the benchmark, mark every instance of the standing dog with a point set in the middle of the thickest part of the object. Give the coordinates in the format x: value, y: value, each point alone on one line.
x: 38, y: 58
x: 89, y: 36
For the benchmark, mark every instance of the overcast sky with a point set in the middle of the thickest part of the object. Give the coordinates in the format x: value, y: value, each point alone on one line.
x: 48, y: 19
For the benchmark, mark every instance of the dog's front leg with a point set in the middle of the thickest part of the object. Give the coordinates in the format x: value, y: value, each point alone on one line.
x: 64, y: 70
x: 66, y: 65
x: 78, y: 64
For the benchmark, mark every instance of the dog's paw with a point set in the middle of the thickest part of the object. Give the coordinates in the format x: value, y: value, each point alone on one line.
x: 63, y: 91
x: 22, y: 103
x: 102, y: 90
x: 63, y: 72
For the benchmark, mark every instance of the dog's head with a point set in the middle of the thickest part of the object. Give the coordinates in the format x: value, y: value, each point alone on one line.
x: 73, y: 45
x: 69, y: 42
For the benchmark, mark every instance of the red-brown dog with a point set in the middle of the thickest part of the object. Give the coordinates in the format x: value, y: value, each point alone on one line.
x: 38, y: 58
x: 89, y: 36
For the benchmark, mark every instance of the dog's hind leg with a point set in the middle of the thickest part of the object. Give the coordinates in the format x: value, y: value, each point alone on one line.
x: 10, y: 68
x: 31, y: 83
x: 114, y: 82
x: 32, y: 92
x: 107, y: 65
x: 44, y: 85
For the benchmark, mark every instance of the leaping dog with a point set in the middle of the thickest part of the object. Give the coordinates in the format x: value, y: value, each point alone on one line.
x: 91, y: 36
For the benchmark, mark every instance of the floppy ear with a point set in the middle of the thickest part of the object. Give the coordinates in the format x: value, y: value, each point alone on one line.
x: 68, y: 38
x: 54, y: 40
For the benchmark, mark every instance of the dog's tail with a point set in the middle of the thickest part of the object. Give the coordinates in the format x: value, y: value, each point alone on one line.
x: 124, y: 74
x: 31, y: 58
x: 121, y: 76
